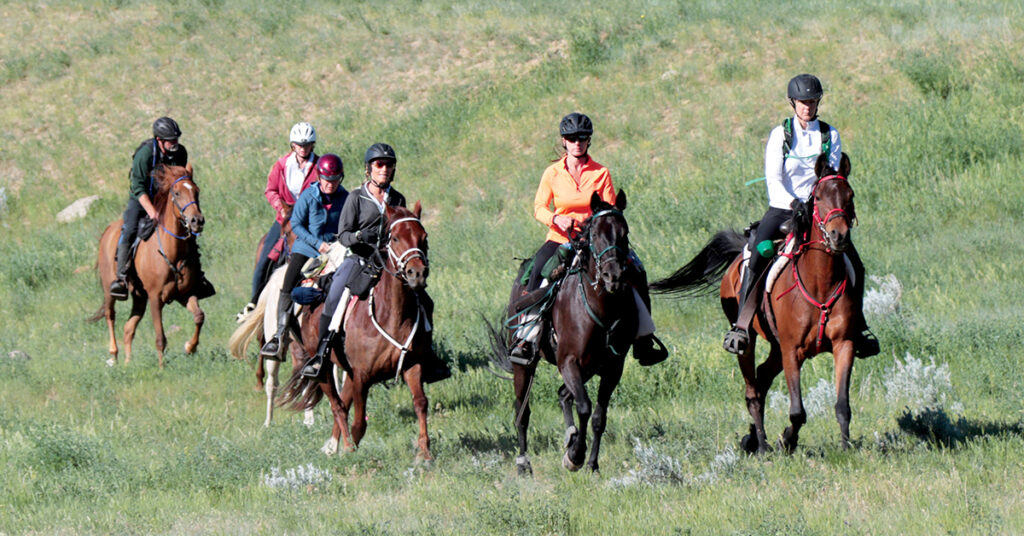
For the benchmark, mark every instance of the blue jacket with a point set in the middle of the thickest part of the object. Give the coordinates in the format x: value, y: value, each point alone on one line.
x: 315, y: 218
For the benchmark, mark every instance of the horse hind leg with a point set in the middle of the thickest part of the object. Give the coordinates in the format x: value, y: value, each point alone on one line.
x: 523, y: 381
x: 138, y: 310
x: 756, y: 440
x: 110, y: 314
x: 198, y: 317
x: 270, y: 386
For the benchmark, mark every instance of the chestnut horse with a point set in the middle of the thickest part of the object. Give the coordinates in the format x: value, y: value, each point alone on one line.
x: 165, y: 264
x: 387, y: 337
x: 593, y: 321
x: 805, y: 312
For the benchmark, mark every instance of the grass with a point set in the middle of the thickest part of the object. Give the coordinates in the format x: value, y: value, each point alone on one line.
x: 927, y: 97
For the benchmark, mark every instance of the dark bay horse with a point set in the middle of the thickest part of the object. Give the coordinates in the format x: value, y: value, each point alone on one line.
x: 386, y: 338
x: 593, y: 324
x: 807, y: 310
x: 165, y: 264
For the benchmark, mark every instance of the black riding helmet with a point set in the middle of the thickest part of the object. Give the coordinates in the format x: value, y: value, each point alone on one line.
x: 166, y: 128
x: 576, y: 124
x: 378, y: 151
x: 805, y: 87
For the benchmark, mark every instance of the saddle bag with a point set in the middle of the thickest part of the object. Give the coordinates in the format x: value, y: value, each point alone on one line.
x: 146, y: 227
x: 364, y: 279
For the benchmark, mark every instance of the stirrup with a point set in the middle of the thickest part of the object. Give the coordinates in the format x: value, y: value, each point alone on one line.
x: 272, y: 348
x: 649, y: 350
x: 866, y: 344
x: 313, y: 366
x: 118, y: 290
x: 736, y: 341
x: 523, y: 354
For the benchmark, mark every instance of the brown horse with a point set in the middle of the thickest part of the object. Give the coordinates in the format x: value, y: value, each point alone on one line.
x: 165, y: 264
x: 288, y: 240
x: 593, y: 321
x: 806, y: 311
x: 386, y: 338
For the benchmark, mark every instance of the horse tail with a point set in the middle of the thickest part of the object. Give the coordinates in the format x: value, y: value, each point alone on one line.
x: 250, y: 327
x: 499, y: 351
x: 703, y: 273
x: 301, y: 393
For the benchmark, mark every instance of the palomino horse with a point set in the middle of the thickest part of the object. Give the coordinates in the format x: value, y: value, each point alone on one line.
x: 594, y: 321
x: 166, y: 263
x: 387, y: 337
x: 805, y: 312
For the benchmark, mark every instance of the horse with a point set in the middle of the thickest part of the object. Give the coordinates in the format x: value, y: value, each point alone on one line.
x: 805, y: 311
x: 593, y: 323
x: 387, y: 337
x: 278, y: 256
x: 287, y: 240
x: 165, y: 264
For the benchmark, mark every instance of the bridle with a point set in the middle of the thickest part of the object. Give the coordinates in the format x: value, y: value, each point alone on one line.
x: 181, y: 209
x: 598, y: 256
x: 837, y: 212
x: 402, y: 260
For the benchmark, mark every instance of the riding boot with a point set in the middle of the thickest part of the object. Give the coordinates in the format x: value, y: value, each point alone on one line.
x: 645, y: 350
x: 331, y: 339
x: 272, y: 349
x: 119, y: 286
x: 524, y: 339
x: 737, y: 339
x: 204, y: 288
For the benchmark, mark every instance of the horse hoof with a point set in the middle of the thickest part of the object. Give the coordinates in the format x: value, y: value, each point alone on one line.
x: 188, y: 349
x: 330, y: 448
x: 307, y: 418
x: 568, y: 464
x: 111, y: 362
x: 749, y: 444
x: 523, y: 467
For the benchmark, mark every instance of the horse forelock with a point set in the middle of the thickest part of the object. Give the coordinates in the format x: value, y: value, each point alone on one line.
x: 163, y: 178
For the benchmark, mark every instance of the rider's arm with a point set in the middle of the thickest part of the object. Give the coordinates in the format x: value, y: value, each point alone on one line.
x: 275, y: 180
x: 780, y: 193
x: 604, y: 187
x: 543, y: 198
x: 300, y: 222
x: 147, y: 205
x: 348, y: 222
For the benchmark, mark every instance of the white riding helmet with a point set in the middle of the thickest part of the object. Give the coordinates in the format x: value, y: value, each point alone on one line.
x: 302, y: 133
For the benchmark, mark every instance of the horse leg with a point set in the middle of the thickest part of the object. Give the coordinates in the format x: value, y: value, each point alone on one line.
x: 797, y: 415
x: 576, y: 439
x: 158, y: 326
x: 270, y: 386
x: 110, y: 314
x: 755, y: 403
x: 844, y: 367
x: 345, y: 397
x: 260, y: 372
x: 609, y: 381
x: 138, y: 309
x: 523, y: 377
x: 198, y: 316
x: 359, y: 395
x: 419, y: 402
x: 339, y: 414
x: 765, y: 376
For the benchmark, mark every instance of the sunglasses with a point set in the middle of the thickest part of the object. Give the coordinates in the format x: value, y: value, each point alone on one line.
x: 582, y: 138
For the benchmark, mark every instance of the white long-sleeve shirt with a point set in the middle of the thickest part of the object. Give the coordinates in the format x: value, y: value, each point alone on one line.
x: 792, y: 177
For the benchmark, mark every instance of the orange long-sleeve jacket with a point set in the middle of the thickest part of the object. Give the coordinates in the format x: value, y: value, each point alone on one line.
x: 559, y: 194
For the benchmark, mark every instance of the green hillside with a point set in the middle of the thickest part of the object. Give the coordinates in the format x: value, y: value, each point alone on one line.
x: 929, y: 99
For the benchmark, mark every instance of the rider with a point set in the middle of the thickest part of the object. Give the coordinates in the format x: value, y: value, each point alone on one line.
x: 362, y: 230
x: 288, y: 177
x: 162, y: 148
x: 790, y: 180
x: 314, y: 219
x: 568, y: 185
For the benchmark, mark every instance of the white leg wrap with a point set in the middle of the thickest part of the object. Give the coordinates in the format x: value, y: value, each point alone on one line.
x: 330, y: 447
x: 645, y: 324
x: 339, y: 312
x: 530, y: 328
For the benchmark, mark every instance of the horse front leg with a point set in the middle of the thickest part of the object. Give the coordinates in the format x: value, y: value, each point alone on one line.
x: 523, y: 379
x: 360, y: 391
x: 756, y: 441
x: 339, y: 413
x: 609, y: 380
x: 419, y: 403
x: 138, y: 309
x: 576, y: 438
x: 843, y: 357
x: 157, y: 305
x: 270, y: 385
x: 198, y: 317
x: 797, y: 414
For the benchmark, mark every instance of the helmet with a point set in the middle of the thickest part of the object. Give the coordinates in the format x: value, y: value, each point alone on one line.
x: 166, y: 129
x: 330, y: 167
x: 379, y: 151
x: 805, y: 87
x: 302, y: 133
x: 576, y: 123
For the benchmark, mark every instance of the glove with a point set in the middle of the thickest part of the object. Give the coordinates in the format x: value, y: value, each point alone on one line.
x: 799, y: 209
x: 362, y: 249
x: 369, y: 236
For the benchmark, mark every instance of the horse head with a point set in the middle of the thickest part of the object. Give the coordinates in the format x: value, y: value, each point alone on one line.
x: 832, y: 199
x: 407, y: 246
x: 176, y: 186
x: 606, y: 238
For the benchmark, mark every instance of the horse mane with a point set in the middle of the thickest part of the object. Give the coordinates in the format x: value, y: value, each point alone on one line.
x: 580, y: 240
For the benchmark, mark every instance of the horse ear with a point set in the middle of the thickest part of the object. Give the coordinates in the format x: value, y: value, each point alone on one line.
x: 821, y: 165
x: 844, y: 165
x: 595, y: 202
x: 416, y: 209
x: 620, y: 200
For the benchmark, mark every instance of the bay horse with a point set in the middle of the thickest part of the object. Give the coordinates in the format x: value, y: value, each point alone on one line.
x: 805, y: 312
x: 165, y: 264
x: 593, y: 324
x: 387, y: 337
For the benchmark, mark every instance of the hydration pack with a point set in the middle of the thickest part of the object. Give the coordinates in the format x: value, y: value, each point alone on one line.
x: 787, y: 142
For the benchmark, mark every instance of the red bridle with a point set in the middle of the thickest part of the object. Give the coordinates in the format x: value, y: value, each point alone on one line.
x: 832, y: 213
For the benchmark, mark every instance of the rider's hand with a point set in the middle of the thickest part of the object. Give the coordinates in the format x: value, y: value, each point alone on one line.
x: 362, y: 249
x: 324, y: 247
x: 564, y: 223
x: 153, y: 215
